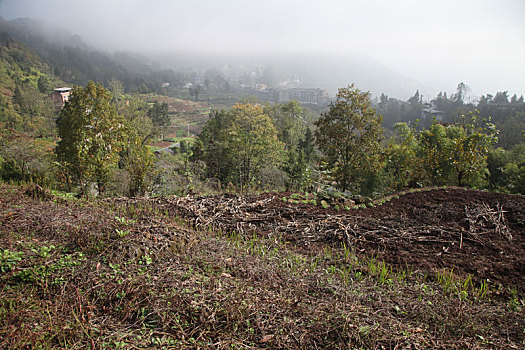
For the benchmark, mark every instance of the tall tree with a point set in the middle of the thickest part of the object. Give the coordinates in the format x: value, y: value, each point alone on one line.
x: 137, y: 159
x: 251, y: 143
x: 470, y: 145
x: 213, y: 144
x: 349, y: 136
x: 159, y: 114
x: 91, y: 135
x: 239, y: 143
x: 289, y: 119
x: 402, y: 163
x: 456, y: 154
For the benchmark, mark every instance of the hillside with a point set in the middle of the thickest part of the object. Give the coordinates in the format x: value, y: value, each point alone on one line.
x: 437, y: 269
x: 20, y: 65
x: 76, y: 63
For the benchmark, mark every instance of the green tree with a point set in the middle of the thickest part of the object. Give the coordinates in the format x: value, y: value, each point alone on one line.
x: 159, y: 114
x: 137, y: 159
x: 457, y: 154
x: 91, y: 136
x: 35, y: 109
x: 44, y: 84
x: 507, y: 169
x: 212, y: 137
x: 25, y: 158
x: 307, y: 145
x: 470, y: 145
x: 434, y: 153
x: 251, y: 142
x: 9, y: 118
x: 289, y: 119
x: 348, y: 136
x: 401, y: 158
x: 514, y: 170
x: 135, y: 112
x: 239, y: 144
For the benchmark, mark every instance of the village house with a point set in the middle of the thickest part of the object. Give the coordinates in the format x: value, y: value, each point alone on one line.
x: 60, y: 96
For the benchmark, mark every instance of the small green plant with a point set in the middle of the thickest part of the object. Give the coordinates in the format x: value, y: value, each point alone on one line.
x: 296, y: 196
x: 63, y: 195
x: 122, y: 233
x: 146, y: 259
x: 515, y: 304
x: 358, y: 275
x: 44, y: 251
x: 446, y: 279
x: 373, y: 267
x: 8, y: 260
x: 125, y: 221
x: 348, y: 255
x: 384, y: 274
x: 482, y: 290
x: 313, y: 264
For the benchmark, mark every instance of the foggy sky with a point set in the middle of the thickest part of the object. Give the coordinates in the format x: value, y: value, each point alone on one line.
x: 479, y: 42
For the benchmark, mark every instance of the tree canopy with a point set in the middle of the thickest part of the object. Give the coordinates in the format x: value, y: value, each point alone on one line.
x: 348, y: 136
x: 240, y: 143
x: 91, y: 135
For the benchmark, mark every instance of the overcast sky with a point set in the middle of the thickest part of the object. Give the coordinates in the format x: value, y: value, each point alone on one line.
x: 480, y: 42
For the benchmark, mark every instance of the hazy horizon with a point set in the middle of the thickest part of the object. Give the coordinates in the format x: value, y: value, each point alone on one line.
x: 436, y: 43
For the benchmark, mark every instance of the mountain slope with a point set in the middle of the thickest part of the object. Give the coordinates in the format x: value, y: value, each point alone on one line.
x: 76, y: 63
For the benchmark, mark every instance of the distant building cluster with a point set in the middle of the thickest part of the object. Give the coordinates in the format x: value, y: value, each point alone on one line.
x: 306, y: 96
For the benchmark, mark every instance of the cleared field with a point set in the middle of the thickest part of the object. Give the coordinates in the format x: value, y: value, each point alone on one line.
x: 426, y: 270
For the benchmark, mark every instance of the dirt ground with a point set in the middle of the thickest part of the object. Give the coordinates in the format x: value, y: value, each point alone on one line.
x: 470, y: 232
x: 260, y: 272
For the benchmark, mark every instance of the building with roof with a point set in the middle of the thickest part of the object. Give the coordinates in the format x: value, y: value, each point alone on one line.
x: 60, y: 96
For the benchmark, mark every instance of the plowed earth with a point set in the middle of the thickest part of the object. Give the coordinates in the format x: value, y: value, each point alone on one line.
x: 470, y: 232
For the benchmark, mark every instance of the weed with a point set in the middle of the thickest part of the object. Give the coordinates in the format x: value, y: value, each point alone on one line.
x: 348, y: 255
x: 146, y: 259
x: 384, y: 274
x: 313, y: 263
x: 122, y: 233
x: 8, y: 260
x: 515, y: 304
x: 446, y: 279
x: 373, y: 267
x: 125, y: 221
x: 482, y: 290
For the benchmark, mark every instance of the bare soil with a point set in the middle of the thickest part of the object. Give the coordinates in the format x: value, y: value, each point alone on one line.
x: 467, y: 231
